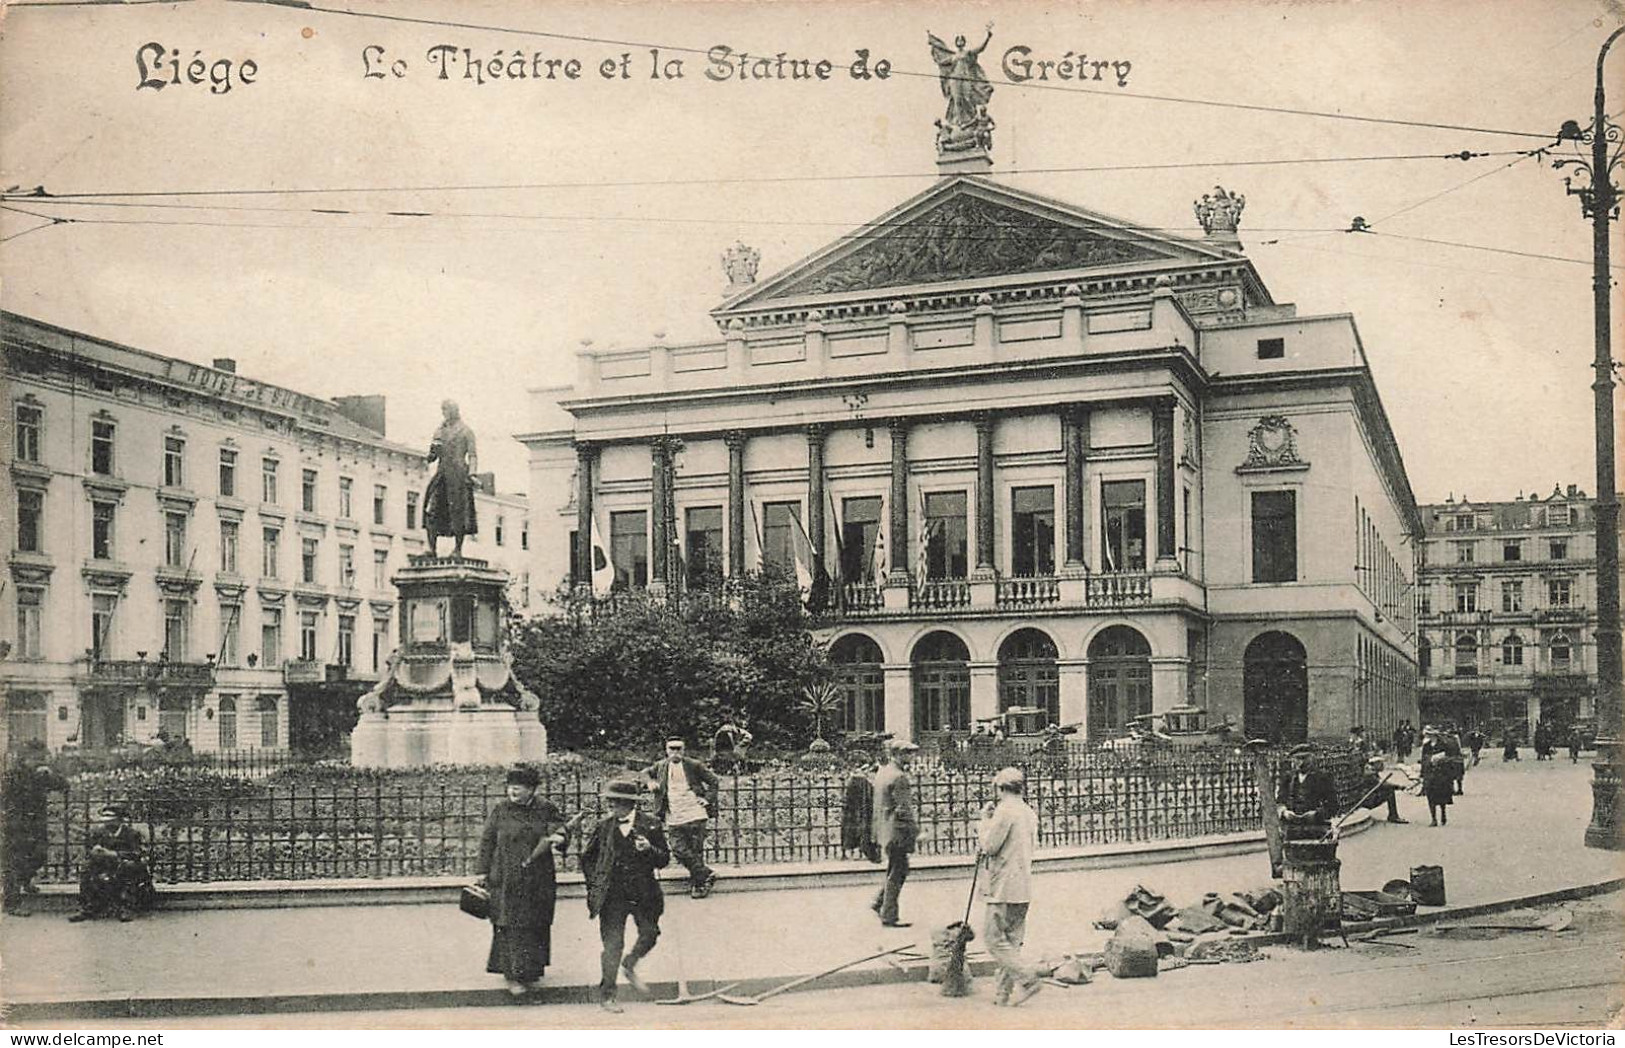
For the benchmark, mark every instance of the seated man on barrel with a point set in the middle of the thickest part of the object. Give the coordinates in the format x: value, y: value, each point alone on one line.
x: 1375, y: 790
x: 115, y: 879
x: 1307, y: 796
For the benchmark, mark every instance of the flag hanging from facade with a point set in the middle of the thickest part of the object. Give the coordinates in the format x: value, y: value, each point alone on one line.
x: 923, y: 544
x: 801, y: 551
x: 603, y: 570
x: 879, y: 560
x: 756, y: 529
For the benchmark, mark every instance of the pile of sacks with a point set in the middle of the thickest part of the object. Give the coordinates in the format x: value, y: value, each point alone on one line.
x: 1146, y: 928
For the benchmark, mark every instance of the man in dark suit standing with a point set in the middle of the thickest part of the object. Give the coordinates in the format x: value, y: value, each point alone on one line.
x: 1307, y: 796
x: 619, y: 861
x: 896, y: 827
x: 685, y: 796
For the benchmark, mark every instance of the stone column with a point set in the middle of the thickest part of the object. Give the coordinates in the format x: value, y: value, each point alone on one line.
x: 897, y: 549
x: 659, y: 526
x: 1162, y: 430
x: 736, y: 503
x: 1072, y: 449
x: 1074, y: 684
x: 899, y: 689
x: 586, y: 456
x: 984, y: 690
x: 984, y: 494
x: 815, y: 499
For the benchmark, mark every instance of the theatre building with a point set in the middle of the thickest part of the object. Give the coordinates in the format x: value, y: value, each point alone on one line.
x: 1046, y: 458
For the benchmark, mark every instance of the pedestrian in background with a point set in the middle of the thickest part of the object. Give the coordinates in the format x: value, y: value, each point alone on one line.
x: 25, y: 791
x: 1440, y: 756
x: 516, y: 865
x: 685, y: 795
x: 896, y: 827
x: 619, y: 861
x: 1008, y: 836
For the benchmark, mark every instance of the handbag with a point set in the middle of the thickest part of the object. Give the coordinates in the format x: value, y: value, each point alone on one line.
x: 475, y: 900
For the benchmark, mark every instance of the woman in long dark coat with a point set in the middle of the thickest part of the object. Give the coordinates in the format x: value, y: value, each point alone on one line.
x: 1440, y: 761
x: 516, y: 864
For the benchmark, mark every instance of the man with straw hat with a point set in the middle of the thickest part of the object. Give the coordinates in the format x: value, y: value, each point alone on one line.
x: 619, y: 861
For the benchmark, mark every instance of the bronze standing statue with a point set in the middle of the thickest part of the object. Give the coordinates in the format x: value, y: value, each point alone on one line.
x: 448, y: 504
x: 965, y: 125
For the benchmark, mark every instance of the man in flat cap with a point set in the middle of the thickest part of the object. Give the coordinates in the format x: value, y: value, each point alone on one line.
x: 115, y: 878
x: 1007, y: 836
x: 619, y: 862
x: 896, y: 826
x: 685, y: 795
x: 1307, y: 796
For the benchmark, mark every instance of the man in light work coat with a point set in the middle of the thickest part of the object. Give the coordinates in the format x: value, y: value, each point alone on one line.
x: 1008, y: 834
x: 685, y: 796
x: 896, y: 827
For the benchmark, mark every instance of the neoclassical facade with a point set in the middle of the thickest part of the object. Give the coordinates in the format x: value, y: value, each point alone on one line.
x: 1043, y: 458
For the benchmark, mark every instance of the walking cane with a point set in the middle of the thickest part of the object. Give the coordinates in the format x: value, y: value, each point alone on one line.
x: 1356, y: 807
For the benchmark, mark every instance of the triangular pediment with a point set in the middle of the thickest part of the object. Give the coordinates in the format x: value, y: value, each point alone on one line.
x: 968, y: 229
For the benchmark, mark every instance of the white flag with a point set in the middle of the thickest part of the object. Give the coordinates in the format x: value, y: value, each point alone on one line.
x: 603, y: 571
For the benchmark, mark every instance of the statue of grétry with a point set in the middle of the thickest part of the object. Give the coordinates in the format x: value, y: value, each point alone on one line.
x: 448, y: 504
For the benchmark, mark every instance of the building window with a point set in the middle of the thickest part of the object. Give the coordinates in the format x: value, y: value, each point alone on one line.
x: 226, y: 718
x: 175, y: 540
x: 30, y: 421
x: 172, y: 710
x: 30, y: 520
x: 228, y: 473
x: 102, y: 607
x: 1032, y: 531
x: 1512, y: 650
x: 1562, y: 652
x: 1559, y: 592
x: 1464, y: 553
x: 1271, y: 348
x: 346, y: 493
x: 380, y: 569
x: 380, y: 642
x: 270, y: 637
x: 1466, y: 596
x: 25, y: 717
x: 307, y: 635
x: 347, y: 567
x: 177, y: 627
x: 307, y: 491
x: 232, y: 616
x: 1466, y: 522
x: 1424, y: 602
x: 524, y: 534
x: 270, y: 736
x: 101, y: 530
x: 101, y: 446
x: 228, y: 546
x: 1466, y: 655
x: 30, y: 602
x: 307, y: 561
x: 1560, y: 549
x: 629, y: 549
x: 524, y: 589
x: 268, y: 490
x: 702, y: 546
x: 1122, y: 507
x: 1558, y: 516
x: 1275, y: 536
x: 380, y: 498
x: 860, y: 530
x: 174, y: 462
x: 1512, y: 549
x: 346, y: 640
x: 1512, y: 595
x: 411, y: 511
x: 499, y: 527
x: 1424, y: 656
x: 779, y: 519
x: 946, y: 531
x: 271, y: 552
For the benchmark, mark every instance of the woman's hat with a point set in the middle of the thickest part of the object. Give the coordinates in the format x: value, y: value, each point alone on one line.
x: 623, y: 790
x: 1302, y: 749
x: 521, y: 775
x: 116, y: 810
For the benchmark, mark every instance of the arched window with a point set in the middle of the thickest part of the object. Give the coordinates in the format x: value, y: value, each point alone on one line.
x: 941, y: 684
x: 1466, y: 654
x: 1512, y: 650
x: 1275, y: 688
x: 862, y: 681
x: 1028, y: 676
x: 270, y: 735
x: 1119, y: 680
x: 227, y: 718
x: 1562, y: 650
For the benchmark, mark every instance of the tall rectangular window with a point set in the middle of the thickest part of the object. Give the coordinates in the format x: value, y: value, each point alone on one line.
x: 946, y: 531
x: 268, y: 485
x: 411, y: 511
x: 1559, y: 592
x: 270, y: 637
x: 228, y: 473
x: 779, y: 519
x: 102, y: 608
x: 499, y: 529
x: 1122, y: 507
x: 307, y: 560
x: 101, y: 446
x: 1275, y: 536
x: 1032, y: 531
x: 346, y: 496
x: 380, y: 642
x: 1466, y: 597
x: 175, y: 540
x: 860, y: 529
x: 702, y: 546
x: 629, y: 549
x: 1512, y: 595
x: 380, y: 500
x: 380, y: 569
x: 177, y: 627
x: 1464, y: 553
x: 307, y: 635
x: 101, y: 530
x: 30, y: 603
x: 307, y: 490
x: 228, y: 546
x: 227, y: 720
x: 30, y: 520
x: 524, y: 534
x: 174, y: 462
x: 346, y: 655
x: 25, y: 717
x: 30, y: 422
x: 271, y: 552
x: 231, y: 619
x: 347, y: 566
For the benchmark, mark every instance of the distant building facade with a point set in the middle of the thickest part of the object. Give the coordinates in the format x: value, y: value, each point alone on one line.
x: 193, y: 554
x: 1507, y: 610
x: 1045, y: 459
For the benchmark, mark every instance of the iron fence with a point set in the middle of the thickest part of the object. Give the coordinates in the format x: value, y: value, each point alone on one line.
x: 338, y: 823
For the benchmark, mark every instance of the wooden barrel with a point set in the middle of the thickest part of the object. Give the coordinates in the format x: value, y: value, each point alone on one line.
x: 1312, y: 896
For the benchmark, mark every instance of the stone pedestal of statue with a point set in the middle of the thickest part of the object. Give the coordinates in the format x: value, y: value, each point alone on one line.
x: 449, y: 695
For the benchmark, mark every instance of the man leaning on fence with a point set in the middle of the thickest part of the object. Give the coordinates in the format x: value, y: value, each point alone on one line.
x: 895, y: 827
x: 1007, y: 837
x: 685, y: 796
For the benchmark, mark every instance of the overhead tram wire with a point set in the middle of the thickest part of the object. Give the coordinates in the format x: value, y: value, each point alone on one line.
x: 676, y: 49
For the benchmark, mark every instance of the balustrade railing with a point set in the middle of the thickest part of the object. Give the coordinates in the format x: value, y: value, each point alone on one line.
x: 1116, y: 590
x: 941, y: 593
x: 1026, y: 591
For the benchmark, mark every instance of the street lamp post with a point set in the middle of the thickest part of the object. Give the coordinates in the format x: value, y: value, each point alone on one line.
x: 1599, y: 201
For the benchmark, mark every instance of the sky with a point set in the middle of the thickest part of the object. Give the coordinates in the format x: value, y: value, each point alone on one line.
x: 566, y: 209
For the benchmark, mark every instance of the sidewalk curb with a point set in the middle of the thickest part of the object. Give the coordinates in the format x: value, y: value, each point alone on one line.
x: 193, y: 1007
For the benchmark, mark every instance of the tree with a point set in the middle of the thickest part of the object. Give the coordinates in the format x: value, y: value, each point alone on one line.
x: 628, y: 670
